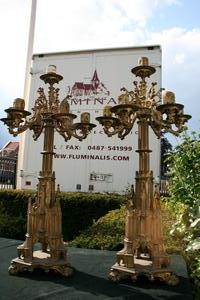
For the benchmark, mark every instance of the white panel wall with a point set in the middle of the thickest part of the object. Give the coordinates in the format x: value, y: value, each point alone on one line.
x: 107, y: 164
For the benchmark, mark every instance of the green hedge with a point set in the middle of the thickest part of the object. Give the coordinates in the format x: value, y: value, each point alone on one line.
x: 13, y: 211
x: 79, y: 211
x: 108, y: 231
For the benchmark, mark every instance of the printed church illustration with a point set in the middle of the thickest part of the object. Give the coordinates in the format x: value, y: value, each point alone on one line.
x: 95, y: 87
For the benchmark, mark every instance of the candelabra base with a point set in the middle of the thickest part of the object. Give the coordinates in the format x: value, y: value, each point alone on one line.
x: 41, y: 260
x: 119, y: 273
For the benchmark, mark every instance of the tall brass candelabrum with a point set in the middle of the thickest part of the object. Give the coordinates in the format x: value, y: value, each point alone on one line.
x: 44, y: 225
x: 143, y: 251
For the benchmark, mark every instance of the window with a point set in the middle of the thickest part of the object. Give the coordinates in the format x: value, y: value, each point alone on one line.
x: 78, y: 187
x: 91, y: 187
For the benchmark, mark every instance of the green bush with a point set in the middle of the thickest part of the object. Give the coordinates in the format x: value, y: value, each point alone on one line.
x: 184, y: 165
x: 171, y: 214
x: 13, y: 211
x: 79, y: 210
x: 184, y: 187
x: 108, y: 232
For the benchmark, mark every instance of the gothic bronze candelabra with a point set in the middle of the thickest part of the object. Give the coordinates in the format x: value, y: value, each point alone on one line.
x: 44, y: 213
x: 143, y: 251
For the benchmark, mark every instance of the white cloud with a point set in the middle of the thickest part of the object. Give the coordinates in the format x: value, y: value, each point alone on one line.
x: 64, y: 25
x: 181, y: 67
x: 14, y: 21
x: 140, y: 11
x: 79, y: 24
x: 180, y: 58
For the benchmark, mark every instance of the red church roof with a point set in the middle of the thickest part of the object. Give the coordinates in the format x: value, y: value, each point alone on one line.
x: 78, y: 85
x: 88, y: 86
x: 11, y: 148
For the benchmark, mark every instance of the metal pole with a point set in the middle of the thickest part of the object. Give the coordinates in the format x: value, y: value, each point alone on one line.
x: 27, y: 86
x: 30, y: 47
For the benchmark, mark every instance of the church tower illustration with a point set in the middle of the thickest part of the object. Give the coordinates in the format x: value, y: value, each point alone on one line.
x: 86, y: 89
x: 95, y: 80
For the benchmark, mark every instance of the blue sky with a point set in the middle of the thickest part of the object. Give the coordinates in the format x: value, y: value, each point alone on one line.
x: 184, y: 14
x: 63, y: 25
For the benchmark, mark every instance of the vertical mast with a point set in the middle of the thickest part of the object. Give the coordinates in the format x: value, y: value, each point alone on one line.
x: 20, y: 166
x: 30, y: 47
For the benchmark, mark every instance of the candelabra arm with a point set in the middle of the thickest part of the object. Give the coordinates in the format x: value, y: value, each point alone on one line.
x: 125, y: 130
x: 157, y: 131
x: 124, y: 133
x: 157, y: 126
x: 78, y: 137
x: 81, y: 130
x: 36, y: 124
x: 65, y: 134
x: 113, y: 131
x: 172, y: 131
x: 38, y: 132
x: 160, y: 127
x: 15, y: 131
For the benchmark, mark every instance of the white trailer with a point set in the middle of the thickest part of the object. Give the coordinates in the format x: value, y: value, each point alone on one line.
x: 93, y: 78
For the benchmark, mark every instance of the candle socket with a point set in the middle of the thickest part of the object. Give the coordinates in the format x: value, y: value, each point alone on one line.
x: 168, y: 97
x: 19, y: 103
x: 85, y: 117
x: 64, y: 107
x: 106, y: 111
x: 51, y: 69
x: 143, y: 61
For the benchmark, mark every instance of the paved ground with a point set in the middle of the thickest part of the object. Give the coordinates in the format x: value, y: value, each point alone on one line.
x: 88, y: 282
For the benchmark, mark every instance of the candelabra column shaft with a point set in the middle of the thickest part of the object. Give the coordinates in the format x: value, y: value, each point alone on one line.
x: 143, y: 146
x: 47, y: 160
x: 144, y: 177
